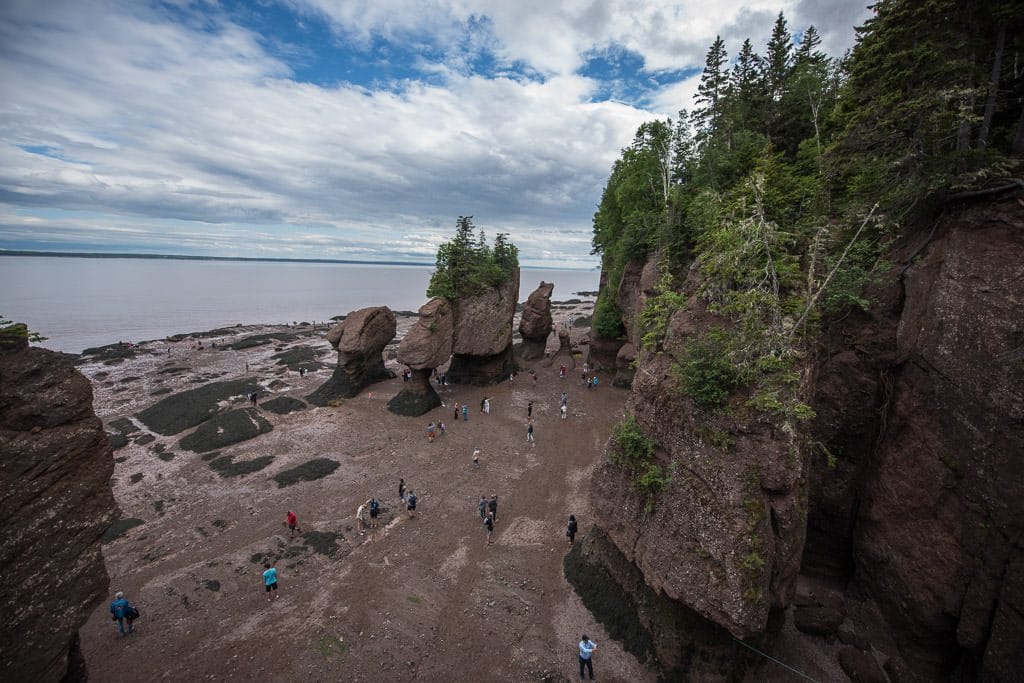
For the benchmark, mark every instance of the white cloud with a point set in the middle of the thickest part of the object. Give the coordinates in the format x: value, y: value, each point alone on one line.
x: 186, y: 131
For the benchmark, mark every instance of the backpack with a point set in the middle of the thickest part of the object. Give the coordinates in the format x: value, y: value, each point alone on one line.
x: 131, y: 613
x: 412, y: 498
x: 374, y: 506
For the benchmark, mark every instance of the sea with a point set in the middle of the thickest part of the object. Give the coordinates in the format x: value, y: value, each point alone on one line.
x: 81, y: 302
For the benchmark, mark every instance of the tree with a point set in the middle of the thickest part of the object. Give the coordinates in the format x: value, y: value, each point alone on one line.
x: 777, y: 68
x: 713, y: 84
x: 467, y: 265
x: 747, y: 92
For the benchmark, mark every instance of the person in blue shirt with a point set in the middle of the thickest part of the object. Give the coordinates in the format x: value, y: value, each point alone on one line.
x: 587, y: 647
x: 119, y: 610
x: 270, y: 581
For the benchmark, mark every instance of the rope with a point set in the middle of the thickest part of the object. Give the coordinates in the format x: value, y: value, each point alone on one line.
x: 783, y: 664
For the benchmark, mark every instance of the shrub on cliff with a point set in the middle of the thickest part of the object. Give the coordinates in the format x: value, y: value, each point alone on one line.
x: 467, y: 265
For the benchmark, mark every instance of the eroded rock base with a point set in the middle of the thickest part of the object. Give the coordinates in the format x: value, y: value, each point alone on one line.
x: 417, y: 396
x: 481, y: 371
x: 661, y: 632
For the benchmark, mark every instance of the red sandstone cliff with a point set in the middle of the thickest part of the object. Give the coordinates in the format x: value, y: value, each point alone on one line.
x: 56, y: 503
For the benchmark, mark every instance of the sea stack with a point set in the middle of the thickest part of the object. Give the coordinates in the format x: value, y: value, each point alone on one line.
x: 535, y: 323
x: 55, y: 496
x: 482, y: 347
x: 360, y: 340
x: 426, y: 346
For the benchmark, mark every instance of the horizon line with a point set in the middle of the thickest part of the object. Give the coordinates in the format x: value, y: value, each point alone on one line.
x: 267, y: 259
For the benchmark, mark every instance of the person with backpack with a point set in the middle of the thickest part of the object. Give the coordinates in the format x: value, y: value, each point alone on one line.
x: 482, y: 506
x: 570, y: 529
x: 410, y: 504
x: 492, y: 506
x: 488, y: 529
x: 374, y: 512
x: 121, y: 611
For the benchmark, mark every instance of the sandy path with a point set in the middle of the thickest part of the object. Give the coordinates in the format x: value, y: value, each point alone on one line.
x: 419, y: 598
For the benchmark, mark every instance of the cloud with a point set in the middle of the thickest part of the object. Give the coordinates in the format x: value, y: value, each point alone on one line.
x: 178, y: 127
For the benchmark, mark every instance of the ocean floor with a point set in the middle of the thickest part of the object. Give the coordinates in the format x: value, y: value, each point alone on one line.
x: 421, y: 599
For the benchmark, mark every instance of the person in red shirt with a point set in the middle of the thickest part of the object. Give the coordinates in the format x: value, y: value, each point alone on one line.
x: 293, y: 522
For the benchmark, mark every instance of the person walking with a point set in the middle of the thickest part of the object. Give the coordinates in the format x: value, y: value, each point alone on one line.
x: 492, y: 506
x: 456, y: 411
x: 410, y: 504
x: 529, y: 410
x: 564, y: 409
x: 488, y: 529
x: 529, y: 432
x: 374, y: 512
x: 430, y: 432
x: 487, y: 405
x: 587, y: 647
x: 465, y: 412
x: 476, y: 458
x: 482, y: 506
x: 120, y: 610
x: 270, y: 581
x: 401, y: 490
x: 570, y: 529
x: 292, y: 520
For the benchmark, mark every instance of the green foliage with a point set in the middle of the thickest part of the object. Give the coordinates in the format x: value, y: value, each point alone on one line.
x: 705, y: 370
x: 9, y: 328
x: 658, y: 310
x: 631, y: 447
x: 607, y: 317
x: 633, y: 450
x: 467, y: 265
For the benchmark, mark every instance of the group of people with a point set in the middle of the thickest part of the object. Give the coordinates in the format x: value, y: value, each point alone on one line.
x: 124, y: 613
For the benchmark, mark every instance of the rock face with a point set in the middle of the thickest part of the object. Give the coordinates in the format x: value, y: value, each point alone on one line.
x: 535, y: 323
x: 624, y: 366
x: 426, y: 346
x: 725, y: 535
x: 482, y: 346
x: 906, y: 491
x: 564, y: 355
x: 360, y: 339
x: 923, y: 410
x: 56, y: 498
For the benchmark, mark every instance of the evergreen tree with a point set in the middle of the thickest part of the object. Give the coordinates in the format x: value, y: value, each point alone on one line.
x: 711, y: 91
x: 747, y: 93
x: 777, y: 67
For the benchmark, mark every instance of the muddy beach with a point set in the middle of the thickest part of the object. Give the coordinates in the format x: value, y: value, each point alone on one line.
x: 424, y: 598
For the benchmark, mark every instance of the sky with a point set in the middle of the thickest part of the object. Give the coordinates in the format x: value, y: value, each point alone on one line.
x: 343, y: 129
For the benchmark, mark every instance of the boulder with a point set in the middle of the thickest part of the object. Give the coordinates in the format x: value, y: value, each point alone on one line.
x: 625, y: 366
x: 360, y: 339
x: 428, y: 343
x: 861, y: 666
x: 817, y: 619
x: 482, y: 346
x: 564, y: 355
x: 426, y: 346
x: 535, y: 323
x: 55, y: 493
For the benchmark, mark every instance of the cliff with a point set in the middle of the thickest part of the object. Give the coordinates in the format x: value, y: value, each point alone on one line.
x: 482, y: 343
x: 57, y: 503
x: 907, y: 486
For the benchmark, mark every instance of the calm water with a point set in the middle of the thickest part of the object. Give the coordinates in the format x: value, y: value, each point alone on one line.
x: 84, y: 302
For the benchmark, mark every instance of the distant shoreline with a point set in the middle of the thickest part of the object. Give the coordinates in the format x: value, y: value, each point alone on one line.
x: 182, y: 257
x: 244, y: 259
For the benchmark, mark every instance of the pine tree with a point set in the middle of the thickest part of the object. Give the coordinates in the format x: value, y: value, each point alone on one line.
x: 711, y: 91
x: 747, y: 94
x: 777, y: 68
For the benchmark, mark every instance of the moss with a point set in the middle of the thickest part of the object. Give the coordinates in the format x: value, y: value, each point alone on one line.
x: 226, y: 429
x: 226, y: 467
x: 119, y: 528
x: 307, y: 471
x: 185, y: 409
x: 322, y: 542
x: 282, y: 405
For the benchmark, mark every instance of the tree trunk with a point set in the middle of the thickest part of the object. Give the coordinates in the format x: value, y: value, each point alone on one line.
x: 1018, y: 140
x: 993, y: 88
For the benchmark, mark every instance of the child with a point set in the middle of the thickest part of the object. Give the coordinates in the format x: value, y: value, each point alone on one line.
x: 270, y: 581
